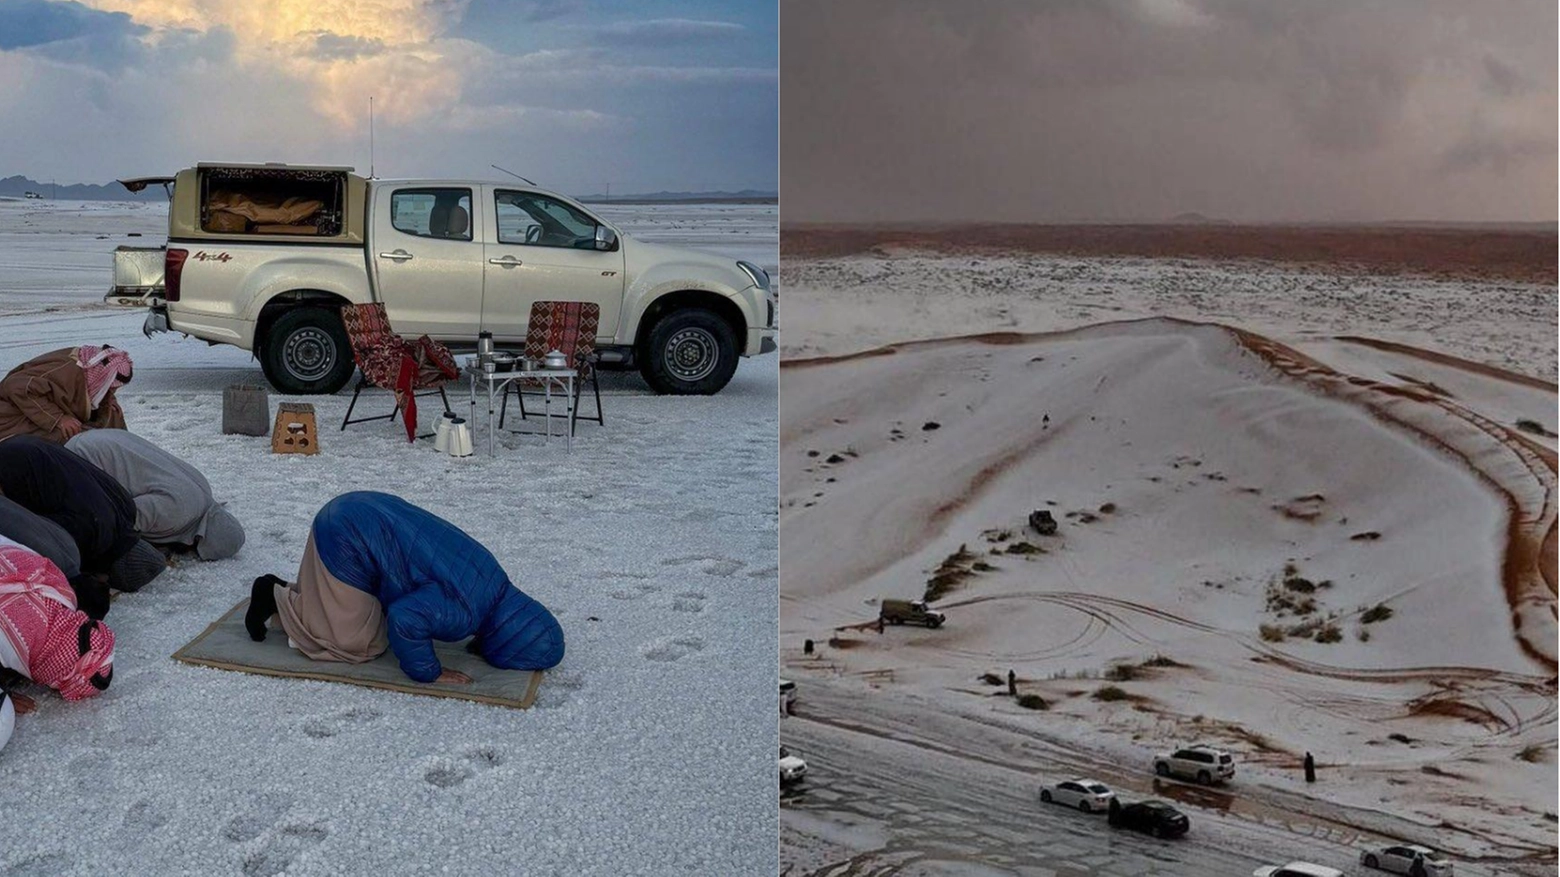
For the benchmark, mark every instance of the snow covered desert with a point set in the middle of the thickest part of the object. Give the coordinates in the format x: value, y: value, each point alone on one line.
x: 649, y: 750
x: 1300, y: 510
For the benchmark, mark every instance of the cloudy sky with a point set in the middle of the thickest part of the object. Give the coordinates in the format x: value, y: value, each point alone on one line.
x: 643, y: 94
x: 1061, y: 110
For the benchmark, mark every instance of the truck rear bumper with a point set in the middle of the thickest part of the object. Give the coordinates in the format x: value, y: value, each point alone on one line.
x: 156, y: 321
x: 213, y: 329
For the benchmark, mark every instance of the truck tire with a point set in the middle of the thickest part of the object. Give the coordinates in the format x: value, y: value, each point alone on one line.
x: 307, y: 352
x: 689, y: 352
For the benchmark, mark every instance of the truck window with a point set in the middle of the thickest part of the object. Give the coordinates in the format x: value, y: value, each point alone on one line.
x: 432, y: 213
x: 272, y: 200
x: 528, y: 218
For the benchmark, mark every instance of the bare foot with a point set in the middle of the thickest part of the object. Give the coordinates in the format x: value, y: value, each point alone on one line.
x: 24, y: 704
x: 453, y: 677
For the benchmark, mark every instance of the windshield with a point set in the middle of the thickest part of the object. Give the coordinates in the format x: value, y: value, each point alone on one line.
x: 1097, y: 789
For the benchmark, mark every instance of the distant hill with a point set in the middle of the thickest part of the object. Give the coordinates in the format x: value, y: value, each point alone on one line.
x: 17, y: 186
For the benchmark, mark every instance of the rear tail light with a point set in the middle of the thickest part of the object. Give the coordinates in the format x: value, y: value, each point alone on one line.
x: 173, y: 270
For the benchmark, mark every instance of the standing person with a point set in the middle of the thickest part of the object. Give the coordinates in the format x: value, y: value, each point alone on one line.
x: 59, y: 394
x: 99, y: 515
x: 44, y: 637
x: 379, y: 571
x: 1012, y: 684
x: 173, y: 502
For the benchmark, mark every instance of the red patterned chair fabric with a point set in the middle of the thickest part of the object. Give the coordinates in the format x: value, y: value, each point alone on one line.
x: 567, y: 326
x: 378, y: 350
x: 392, y: 362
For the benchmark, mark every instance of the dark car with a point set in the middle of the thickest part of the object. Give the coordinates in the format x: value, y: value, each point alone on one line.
x: 1150, y: 817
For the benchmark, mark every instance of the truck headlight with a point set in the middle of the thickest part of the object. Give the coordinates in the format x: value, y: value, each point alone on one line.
x: 759, y: 276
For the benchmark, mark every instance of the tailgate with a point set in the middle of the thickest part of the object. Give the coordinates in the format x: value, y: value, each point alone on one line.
x: 138, y: 276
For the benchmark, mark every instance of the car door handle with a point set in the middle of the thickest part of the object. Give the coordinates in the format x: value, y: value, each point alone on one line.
x: 507, y: 260
x: 398, y: 255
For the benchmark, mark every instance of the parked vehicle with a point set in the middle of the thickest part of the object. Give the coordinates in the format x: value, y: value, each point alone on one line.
x: 787, y: 696
x: 1411, y: 859
x: 1297, y: 869
x: 1043, y: 522
x: 1205, y: 764
x: 909, y: 612
x: 792, y: 767
x: 1153, y: 817
x: 1090, y: 796
x: 263, y: 257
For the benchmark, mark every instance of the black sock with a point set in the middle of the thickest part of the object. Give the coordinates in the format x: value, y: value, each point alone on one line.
x: 262, y: 605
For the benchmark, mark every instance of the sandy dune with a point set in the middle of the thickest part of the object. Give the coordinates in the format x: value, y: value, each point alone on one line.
x: 1228, y: 502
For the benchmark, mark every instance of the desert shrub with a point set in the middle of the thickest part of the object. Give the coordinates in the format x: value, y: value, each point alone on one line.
x: 992, y: 679
x: 1532, y: 753
x: 1108, y: 508
x: 1271, y: 633
x: 1329, y: 633
x: 1032, y: 702
x: 1364, y: 635
x: 1300, y: 585
x: 982, y: 566
x: 1162, y: 661
x: 1110, y: 693
x: 998, y: 535
x: 1532, y: 426
x: 1378, y: 612
x: 1121, y: 673
x: 1025, y: 548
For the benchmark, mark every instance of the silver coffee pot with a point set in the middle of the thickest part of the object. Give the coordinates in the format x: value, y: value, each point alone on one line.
x: 484, y: 346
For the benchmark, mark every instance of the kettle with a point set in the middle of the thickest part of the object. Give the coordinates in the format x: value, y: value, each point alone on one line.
x: 485, y: 345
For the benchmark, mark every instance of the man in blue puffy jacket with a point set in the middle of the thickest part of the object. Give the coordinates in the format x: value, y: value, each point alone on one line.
x: 378, y: 571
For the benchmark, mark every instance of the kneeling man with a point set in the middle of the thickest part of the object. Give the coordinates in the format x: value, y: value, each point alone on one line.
x: 380, y: 571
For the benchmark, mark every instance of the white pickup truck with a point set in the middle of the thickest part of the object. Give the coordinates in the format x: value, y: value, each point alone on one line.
x: 264, y: 256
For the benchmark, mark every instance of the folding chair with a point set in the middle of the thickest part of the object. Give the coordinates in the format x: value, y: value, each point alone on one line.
x: 393, y: 363
x: 568, y: 327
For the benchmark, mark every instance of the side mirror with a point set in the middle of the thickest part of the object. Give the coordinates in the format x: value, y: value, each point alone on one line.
x: 606, y: 239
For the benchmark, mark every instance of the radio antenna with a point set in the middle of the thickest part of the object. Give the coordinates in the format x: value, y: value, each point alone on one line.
x: 371, y: 137
x: 511, y: 173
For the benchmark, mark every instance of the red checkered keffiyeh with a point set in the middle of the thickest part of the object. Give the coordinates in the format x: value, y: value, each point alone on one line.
x: 106, y: 368
x: 40, y: 626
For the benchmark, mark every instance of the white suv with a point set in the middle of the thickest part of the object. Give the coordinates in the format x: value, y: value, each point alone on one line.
x: 1205, y: 764
x: 792, y: 768
x: 1411, y: 859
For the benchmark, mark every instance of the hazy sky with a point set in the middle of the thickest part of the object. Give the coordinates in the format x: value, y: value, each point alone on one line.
x: 643, y: 94
x: 1144, y: 109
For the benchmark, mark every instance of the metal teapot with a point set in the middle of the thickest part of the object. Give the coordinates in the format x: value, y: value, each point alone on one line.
x: 555, y: 359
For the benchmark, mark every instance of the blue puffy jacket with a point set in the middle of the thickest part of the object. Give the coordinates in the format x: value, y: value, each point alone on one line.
x: 435, y: 582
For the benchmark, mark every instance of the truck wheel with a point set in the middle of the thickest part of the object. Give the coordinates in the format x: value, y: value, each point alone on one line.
x: 689, y: 352
x: 1162, y: 769
x: 307, y: 352
x: 933, y: 624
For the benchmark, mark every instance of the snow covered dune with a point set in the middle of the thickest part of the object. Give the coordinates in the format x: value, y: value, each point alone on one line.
x: 1255, y: 548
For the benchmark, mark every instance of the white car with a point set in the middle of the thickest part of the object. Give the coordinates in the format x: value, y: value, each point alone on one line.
x: 792, y: 768
x: 1411, y: 859
x: 447, y: 258
x: 1297, y: 869
x: 1090, y: 796
x: 1205, y: 764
